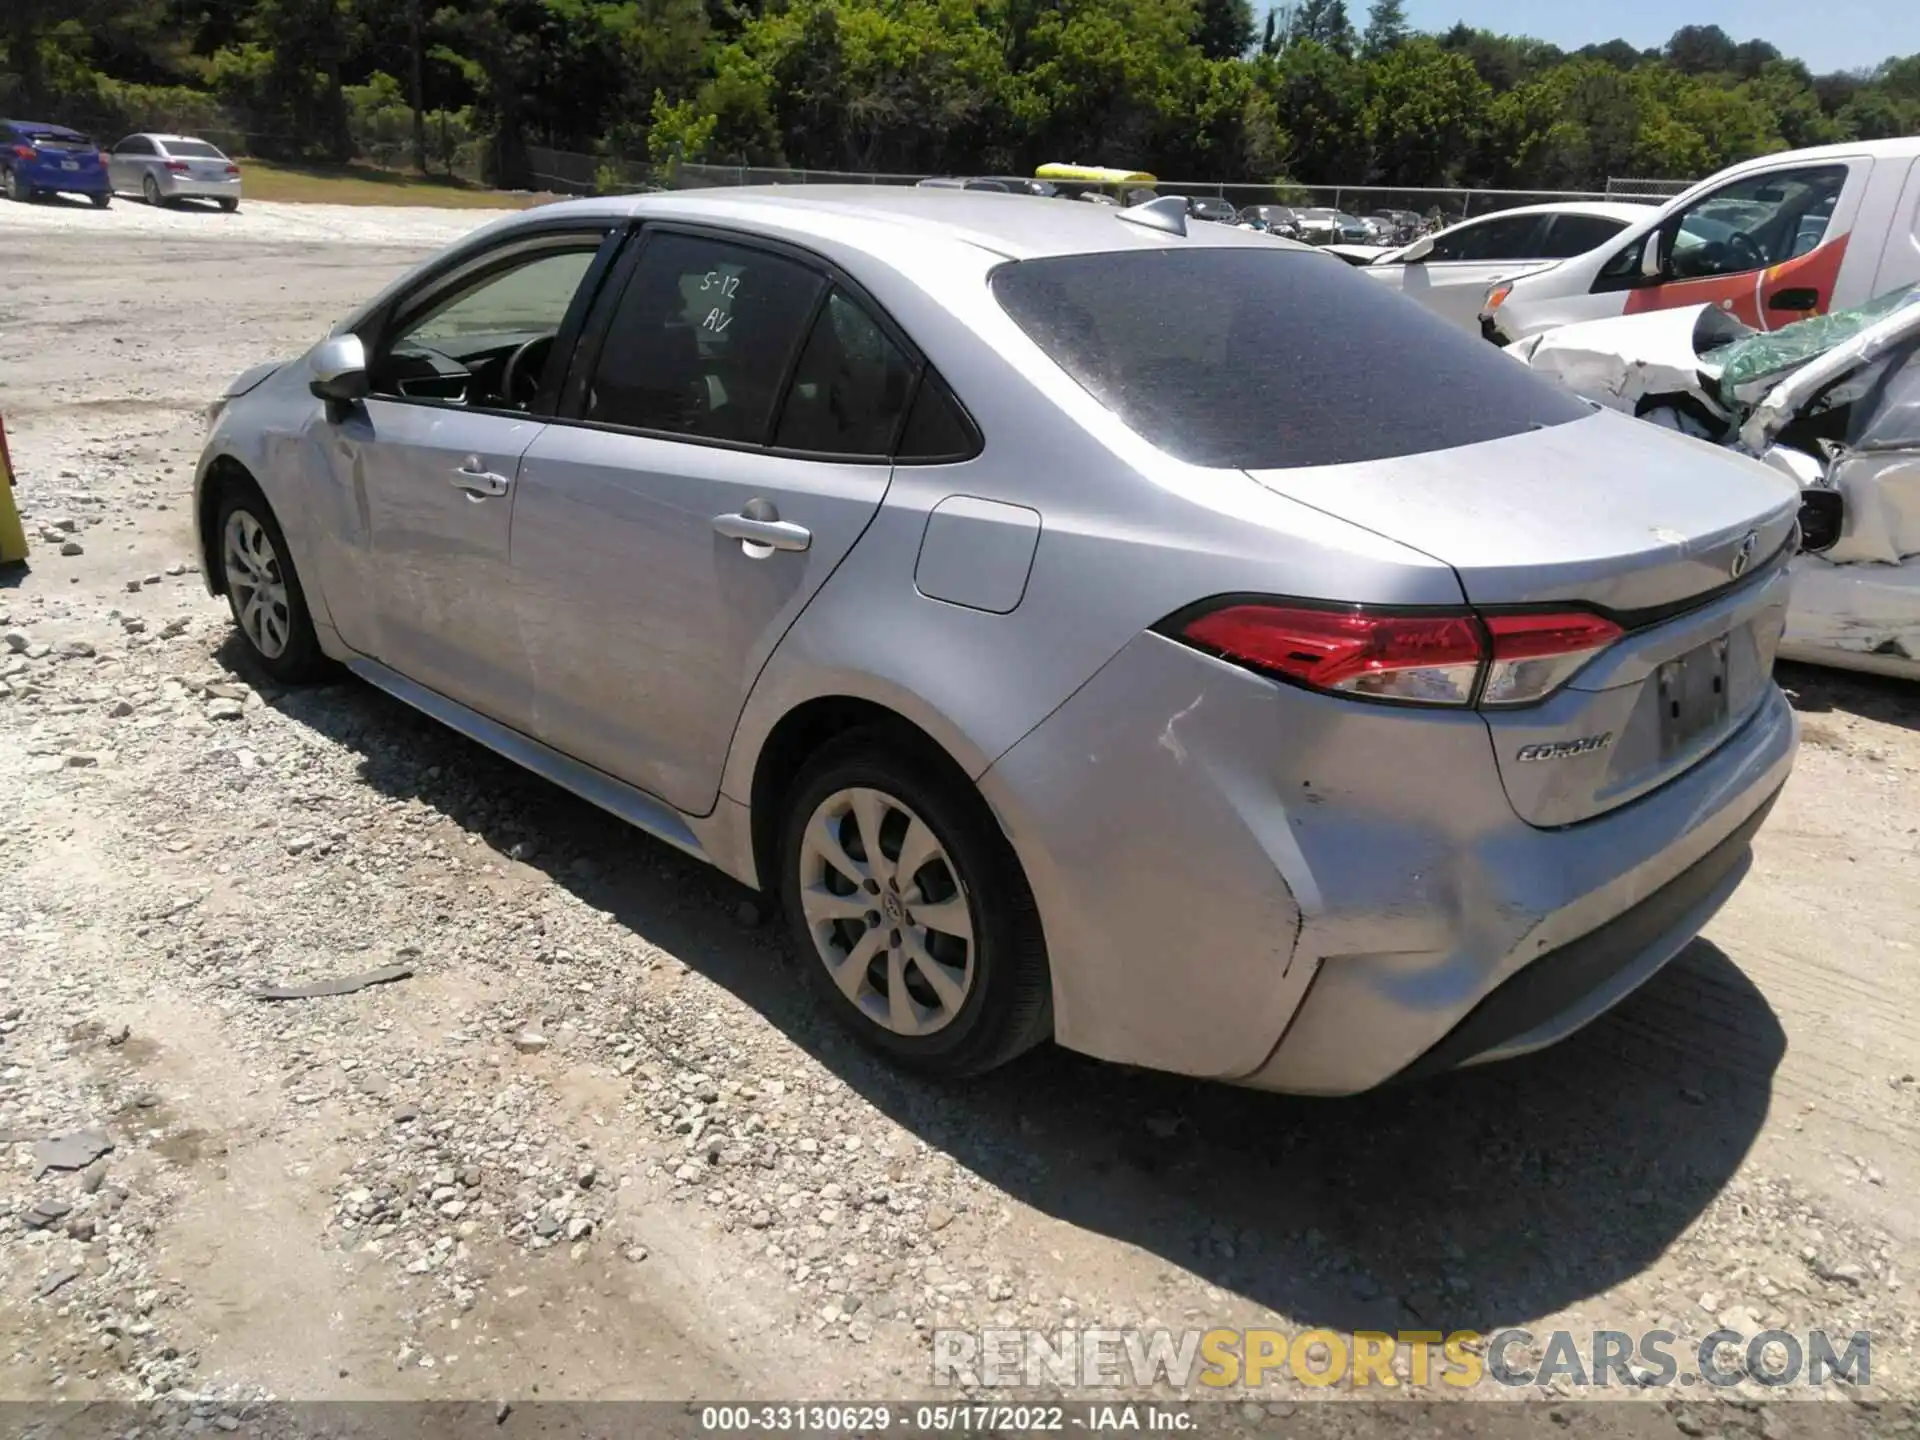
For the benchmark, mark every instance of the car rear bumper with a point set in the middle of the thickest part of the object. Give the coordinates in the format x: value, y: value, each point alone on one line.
x: 1254, y: 883
x: 186, y: 187
x: 71, y: 182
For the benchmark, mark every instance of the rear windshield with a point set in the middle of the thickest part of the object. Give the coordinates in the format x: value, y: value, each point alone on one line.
x: 1264, y: 359
x: 192, y: 150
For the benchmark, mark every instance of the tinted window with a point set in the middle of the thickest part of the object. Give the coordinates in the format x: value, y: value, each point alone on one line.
x: 134, y: 145
x: 1219, y: 357
x: 849, y: 388
x: 1576, y: 234
x: 193, y: 150
x: 701, y: 339
x: 1509, y: 238
x: 936, y: 427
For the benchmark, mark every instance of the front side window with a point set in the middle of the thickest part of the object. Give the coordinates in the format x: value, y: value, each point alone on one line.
x: 1509, y: 237
x: 486, y: 343
x: 850, y: 387
x: 1751, y: 224
x: 1572, y: 235
x: 1217, y: 356
x: 701, y: 339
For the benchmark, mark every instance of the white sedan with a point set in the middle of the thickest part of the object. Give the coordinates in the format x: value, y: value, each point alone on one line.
x: 1450, y: 272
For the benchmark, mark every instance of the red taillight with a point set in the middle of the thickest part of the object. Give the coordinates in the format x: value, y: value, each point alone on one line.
x: 1422, y: 657
x: 1433, y: 658
x: 25, y: 152
x: 233, y: 169
x: 1534, y: 655
x: 178, y: 167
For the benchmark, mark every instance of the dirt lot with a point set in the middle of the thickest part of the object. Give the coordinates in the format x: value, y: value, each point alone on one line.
x: 600, y: 1144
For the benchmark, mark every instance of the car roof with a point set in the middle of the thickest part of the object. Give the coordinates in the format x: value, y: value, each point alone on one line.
x: 1625, y: 211
x: 43, y: 127
x: 1018, y: 227
x: 165, y: 139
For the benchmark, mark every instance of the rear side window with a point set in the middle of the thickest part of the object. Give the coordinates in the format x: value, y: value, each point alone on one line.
x: 937, y: 429
x: 849, y: 388
x: 701, y: 339
x: 1260, y: 359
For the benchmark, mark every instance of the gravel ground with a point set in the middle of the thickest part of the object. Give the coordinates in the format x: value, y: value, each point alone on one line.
x: 589, y: 1139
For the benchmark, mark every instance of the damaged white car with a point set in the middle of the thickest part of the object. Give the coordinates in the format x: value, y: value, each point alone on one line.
x: 1833, y: 401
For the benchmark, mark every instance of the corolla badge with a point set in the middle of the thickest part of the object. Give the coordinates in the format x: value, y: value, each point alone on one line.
x: 1743, y: 554
x: 1564, y: 749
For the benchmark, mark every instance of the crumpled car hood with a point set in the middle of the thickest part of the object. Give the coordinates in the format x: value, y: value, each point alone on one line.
x: 1621, y: 361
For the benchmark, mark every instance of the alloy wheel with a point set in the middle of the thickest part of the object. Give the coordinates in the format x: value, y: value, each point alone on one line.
x: 257, y: 585
x: 887, y: 911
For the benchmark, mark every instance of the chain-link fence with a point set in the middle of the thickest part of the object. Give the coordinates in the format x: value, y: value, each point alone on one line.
x: 1619, y: 188
x: 576, y: 174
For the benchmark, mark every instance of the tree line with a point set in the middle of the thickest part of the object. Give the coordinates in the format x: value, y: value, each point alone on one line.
x: 1309, y: 92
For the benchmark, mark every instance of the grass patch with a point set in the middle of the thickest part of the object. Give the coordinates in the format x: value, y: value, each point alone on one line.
x: 366, y: 185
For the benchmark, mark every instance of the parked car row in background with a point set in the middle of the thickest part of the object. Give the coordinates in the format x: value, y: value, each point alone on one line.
x: 42, y: 160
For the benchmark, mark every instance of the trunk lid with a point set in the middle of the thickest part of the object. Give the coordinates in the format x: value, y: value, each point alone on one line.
x: 1683, y: 543
x: 1606, y: 511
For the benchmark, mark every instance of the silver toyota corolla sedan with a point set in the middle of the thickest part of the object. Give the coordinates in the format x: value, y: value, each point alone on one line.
x: 1010, y: 586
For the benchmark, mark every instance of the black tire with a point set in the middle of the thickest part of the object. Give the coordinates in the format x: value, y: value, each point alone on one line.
x: 1009, y: 1007
x: 300, y: 660
x: 18, y: 190
x: 150, y: 188
x: 101, y: 202
x: 229, y: 206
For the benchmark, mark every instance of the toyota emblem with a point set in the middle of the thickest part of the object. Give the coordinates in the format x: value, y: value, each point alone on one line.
x: 1743, y: 555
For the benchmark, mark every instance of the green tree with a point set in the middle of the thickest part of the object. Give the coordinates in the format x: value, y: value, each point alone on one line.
x: 1225, y: 28
x: 1701, y: 50
x: 1326, y: 23
x: 1426, y: 112
x: 1386, y: 28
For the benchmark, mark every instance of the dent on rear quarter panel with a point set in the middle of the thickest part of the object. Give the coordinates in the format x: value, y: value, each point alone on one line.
x: 1200, y: 839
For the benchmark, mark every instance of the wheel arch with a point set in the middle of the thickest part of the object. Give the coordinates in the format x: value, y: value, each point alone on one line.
x: 799, y: 734
x: 224, y: 476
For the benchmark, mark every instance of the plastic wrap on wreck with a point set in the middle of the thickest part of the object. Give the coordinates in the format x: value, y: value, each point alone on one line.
x: 1760, y: 356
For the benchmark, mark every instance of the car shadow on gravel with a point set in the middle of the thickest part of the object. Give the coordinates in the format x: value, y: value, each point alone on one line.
x: 1815, y: 690
x: 1487, y: 1197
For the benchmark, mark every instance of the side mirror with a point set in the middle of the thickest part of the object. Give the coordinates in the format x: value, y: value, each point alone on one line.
x: 339, y: 368
x: 1417, y: 251
x: 1653, y: 259
x: 1823, y: 514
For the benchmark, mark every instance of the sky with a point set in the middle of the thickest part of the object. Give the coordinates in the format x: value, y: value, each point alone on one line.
x: 1827, y: 34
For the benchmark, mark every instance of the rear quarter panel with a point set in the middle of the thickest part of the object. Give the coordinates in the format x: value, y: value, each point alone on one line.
x: 1126, y: 538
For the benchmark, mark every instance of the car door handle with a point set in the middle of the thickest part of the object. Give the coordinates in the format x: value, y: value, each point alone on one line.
x: 773, y: 533
x: 475, y: 481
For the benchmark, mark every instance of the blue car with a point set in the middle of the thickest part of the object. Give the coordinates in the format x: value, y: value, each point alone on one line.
x: 37, y: 159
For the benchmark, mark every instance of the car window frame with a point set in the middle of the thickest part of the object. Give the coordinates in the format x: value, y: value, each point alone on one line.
x: 1555, y: 220
x: 1486, y: 222
x: 476, y: 265
x: 121, y: 151
x: 584, y: 360
x: 1669, y: 227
